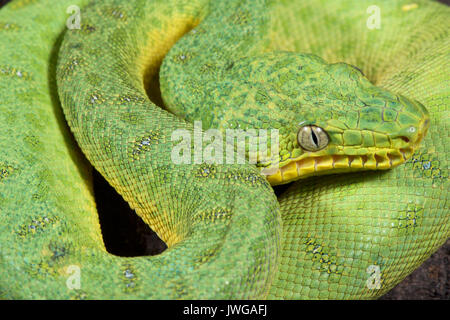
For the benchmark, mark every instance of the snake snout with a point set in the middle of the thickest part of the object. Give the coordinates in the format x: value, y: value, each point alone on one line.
x: 416, y: 132
x: 409, y: 137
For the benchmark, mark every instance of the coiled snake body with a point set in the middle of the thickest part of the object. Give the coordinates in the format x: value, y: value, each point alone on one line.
x: 231, y: 65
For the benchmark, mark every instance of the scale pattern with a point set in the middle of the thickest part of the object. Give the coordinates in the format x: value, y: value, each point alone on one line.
x: 228, y: 236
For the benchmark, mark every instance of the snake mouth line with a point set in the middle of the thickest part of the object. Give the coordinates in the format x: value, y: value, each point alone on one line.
x: 311, y: 164
x: 327, y: 164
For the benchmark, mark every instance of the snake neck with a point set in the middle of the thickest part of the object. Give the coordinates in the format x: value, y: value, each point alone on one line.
x: 200, y: 61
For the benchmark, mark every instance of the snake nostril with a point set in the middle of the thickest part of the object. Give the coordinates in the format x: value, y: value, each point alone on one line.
x: 406, y: 139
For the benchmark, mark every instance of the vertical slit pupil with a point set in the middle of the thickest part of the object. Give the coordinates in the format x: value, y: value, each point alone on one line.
x: 314, y: 138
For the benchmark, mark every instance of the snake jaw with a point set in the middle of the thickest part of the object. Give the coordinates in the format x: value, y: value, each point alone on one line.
x: 391, y: 152
x: 312, y: 164
x: 345, y: 159
x: 327, y: 164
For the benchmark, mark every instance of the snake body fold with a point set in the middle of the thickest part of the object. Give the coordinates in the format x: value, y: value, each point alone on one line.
x: 352, y: 235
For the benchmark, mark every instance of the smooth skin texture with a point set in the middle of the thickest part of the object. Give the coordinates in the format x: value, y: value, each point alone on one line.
x: 330, y: 237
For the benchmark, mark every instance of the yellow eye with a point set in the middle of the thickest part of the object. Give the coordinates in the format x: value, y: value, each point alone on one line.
x: 312, y: 138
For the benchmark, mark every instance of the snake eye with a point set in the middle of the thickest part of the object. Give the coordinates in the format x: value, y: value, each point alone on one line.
x: 312, y: 138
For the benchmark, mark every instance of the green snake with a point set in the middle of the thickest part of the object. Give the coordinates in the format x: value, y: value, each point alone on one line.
x: 228, y: 65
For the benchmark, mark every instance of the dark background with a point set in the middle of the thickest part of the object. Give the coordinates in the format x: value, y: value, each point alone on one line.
x: 126, y: 235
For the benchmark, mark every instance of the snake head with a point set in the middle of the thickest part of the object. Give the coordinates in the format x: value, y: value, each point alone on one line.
x: 342, y: 123
x: 330, y: 118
